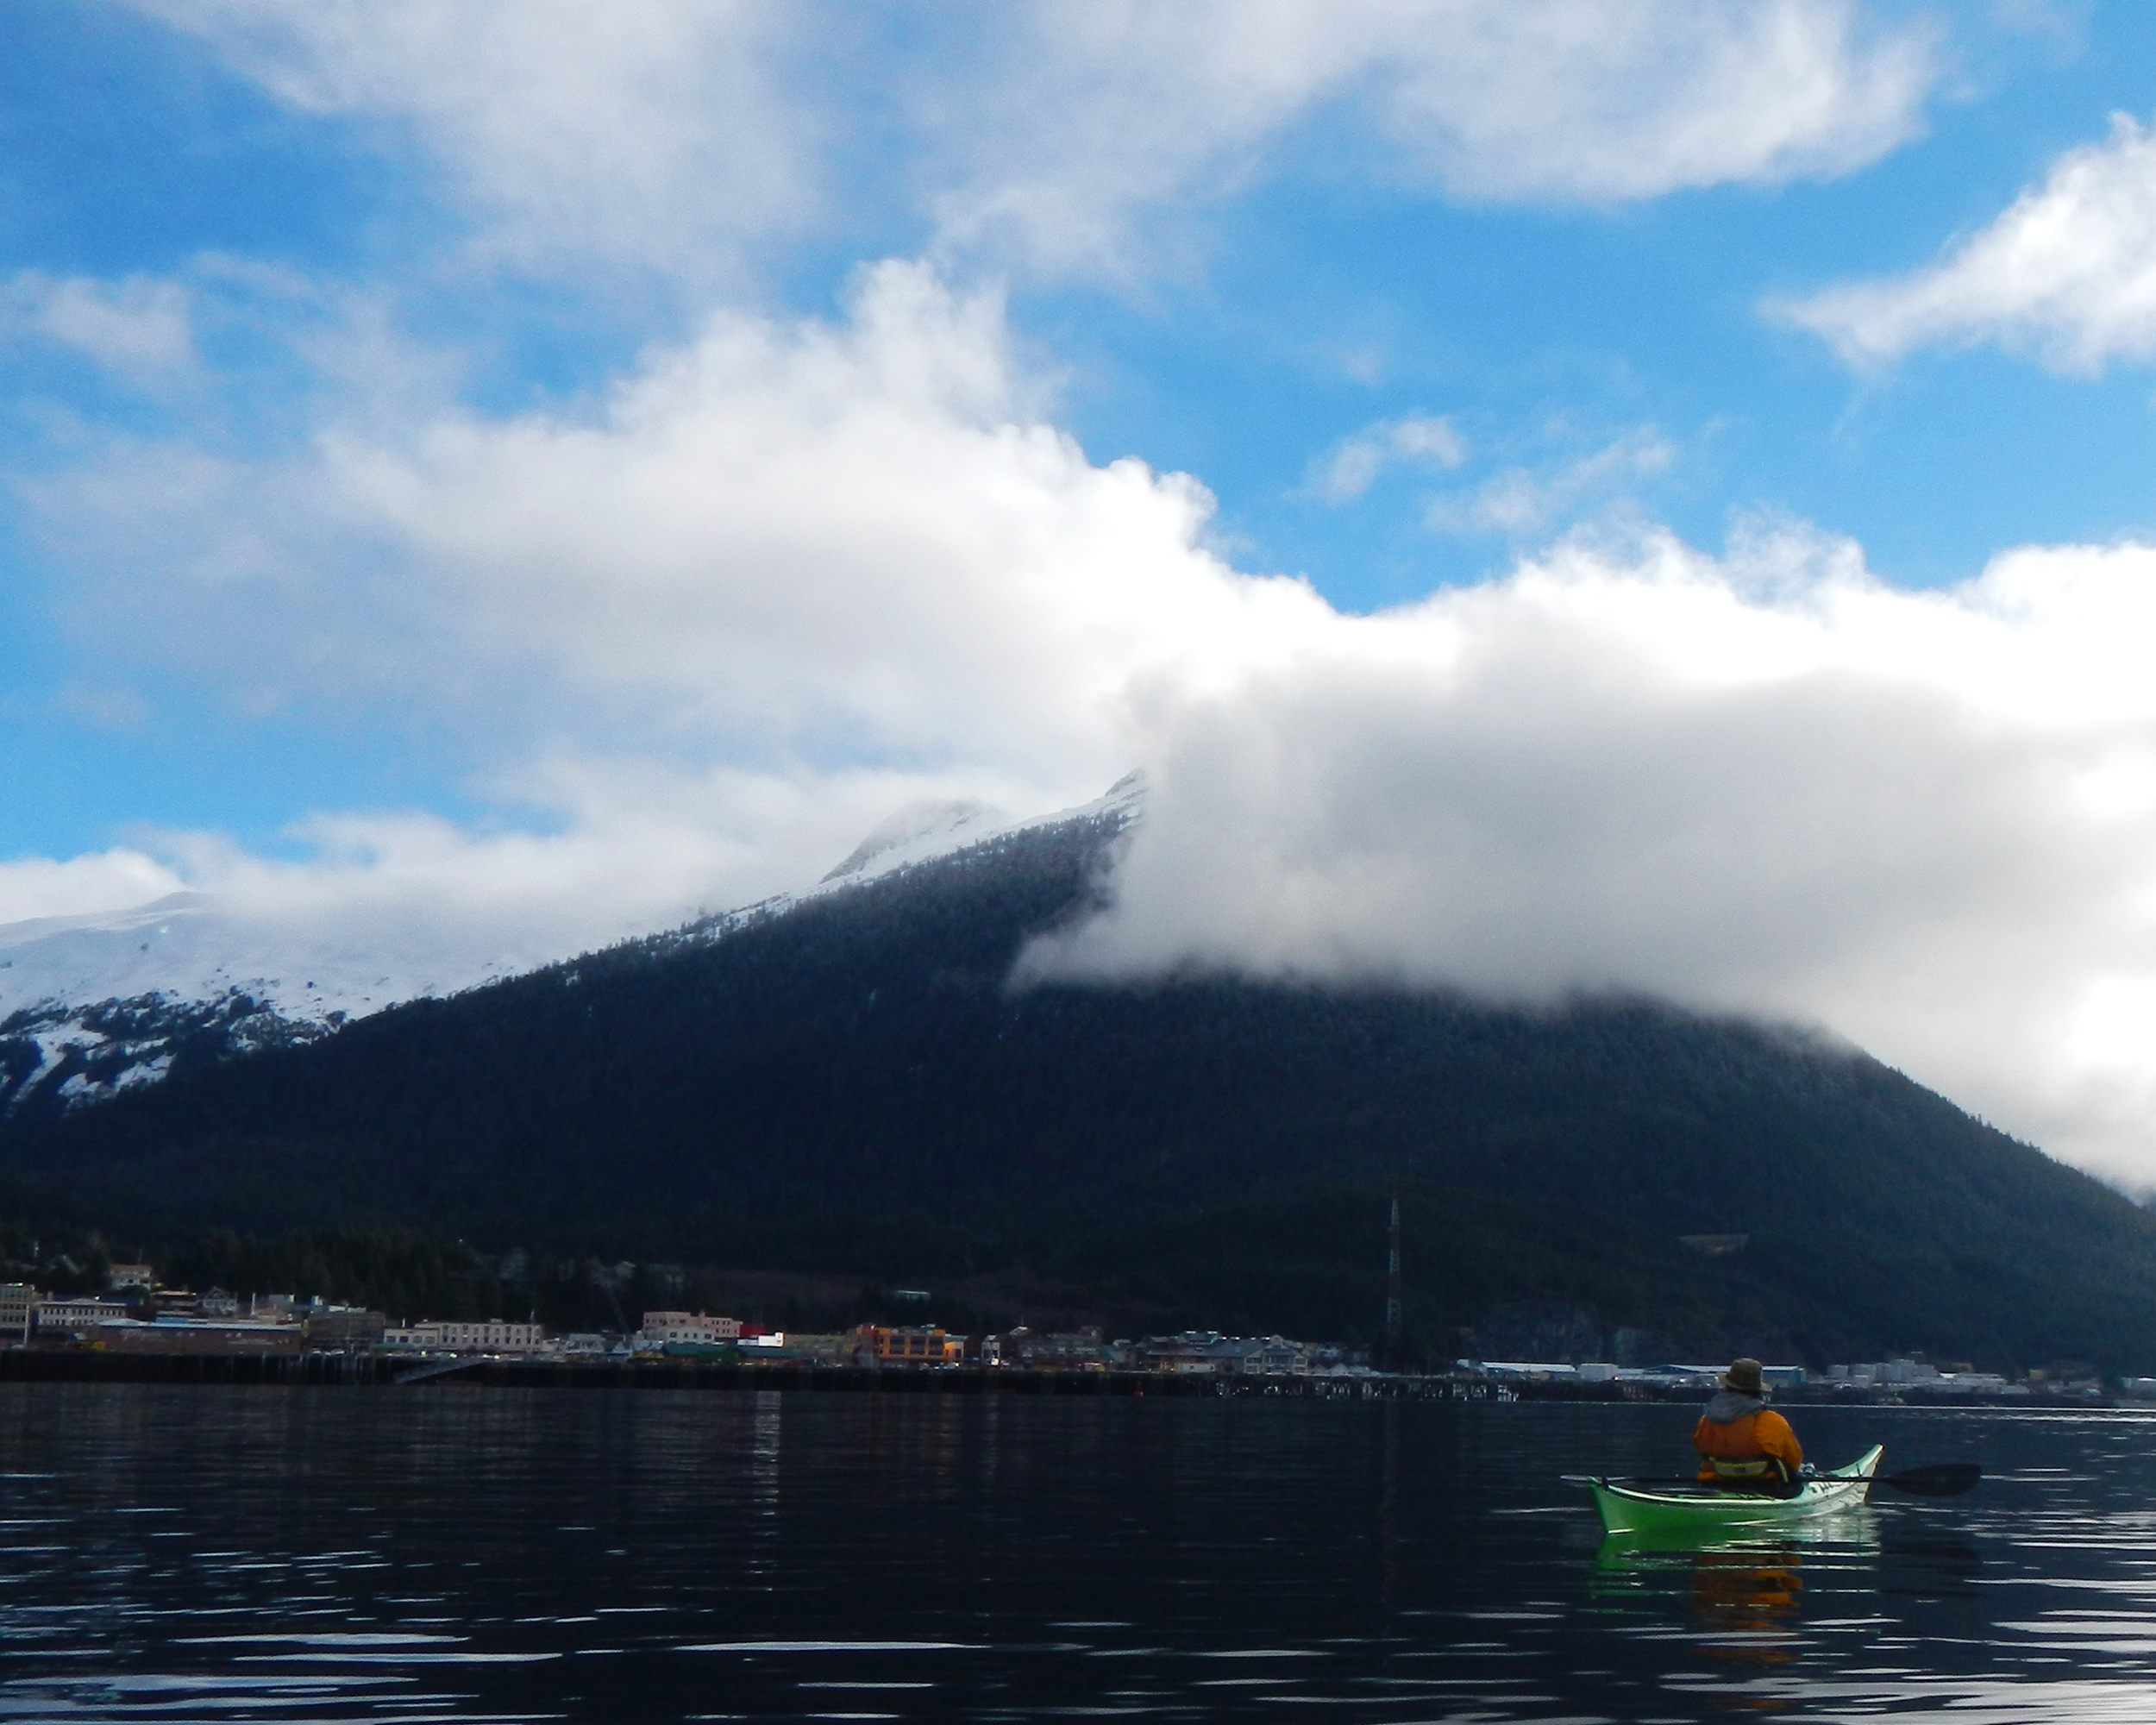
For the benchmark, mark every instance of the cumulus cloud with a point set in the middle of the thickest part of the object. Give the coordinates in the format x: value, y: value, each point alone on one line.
x: 2067, y: 271
x: 792, y: 574
x: 805, y: 539
x: 679, y: 137
x: 1353, y: 465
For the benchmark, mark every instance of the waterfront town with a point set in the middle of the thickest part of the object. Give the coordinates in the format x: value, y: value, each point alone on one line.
x: 137, y: 1316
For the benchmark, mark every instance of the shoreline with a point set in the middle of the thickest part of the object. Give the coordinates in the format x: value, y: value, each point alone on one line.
x: 390, y: 1372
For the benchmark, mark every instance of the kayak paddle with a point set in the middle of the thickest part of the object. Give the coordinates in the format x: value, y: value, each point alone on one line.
x: 1940, y: 1479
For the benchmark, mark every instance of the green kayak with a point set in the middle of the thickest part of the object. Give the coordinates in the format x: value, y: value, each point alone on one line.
x: 1680, y: 1509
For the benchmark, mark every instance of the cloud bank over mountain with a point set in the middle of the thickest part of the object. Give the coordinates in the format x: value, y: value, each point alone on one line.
x: 846, y: 554
x: 1763, y: 783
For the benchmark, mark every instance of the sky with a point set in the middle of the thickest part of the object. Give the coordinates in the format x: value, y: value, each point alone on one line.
x: 1556, y: 497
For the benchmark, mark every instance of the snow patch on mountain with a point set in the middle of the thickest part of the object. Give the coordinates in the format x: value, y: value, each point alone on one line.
x: 54, y: 1056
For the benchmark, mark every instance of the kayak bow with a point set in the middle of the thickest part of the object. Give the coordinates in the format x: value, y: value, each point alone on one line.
x: 1673, y: 1508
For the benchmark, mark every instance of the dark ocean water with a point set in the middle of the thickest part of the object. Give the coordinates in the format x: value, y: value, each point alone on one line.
x: 451, y: 1553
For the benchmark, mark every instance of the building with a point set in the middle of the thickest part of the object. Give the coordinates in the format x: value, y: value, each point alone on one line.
x: 123, y: 1277
x: 797, y: 1347
x: 61, y: 1316
x: 692, y: 1328
x: 905, y: 1345
x: 333, y: 1328
x: 18, y: 1310
x: 1049, y: 1350
x: 1268, y: 1355
x: 489, y: 1335
x: 195, y: 1336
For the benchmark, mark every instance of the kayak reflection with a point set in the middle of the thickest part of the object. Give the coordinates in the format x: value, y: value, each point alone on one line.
x: 1746, y: 1599
x: 1745, y: 1587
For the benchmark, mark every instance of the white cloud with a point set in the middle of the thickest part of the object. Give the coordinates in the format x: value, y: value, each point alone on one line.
x: 1765, y: 785
x: 1523, y: 502
x: 2067, y: 271
x: 1353, y: 465
x: 102, y: 881
x: 138, y: 328
x: 653, y: 135
x: 794, y: 575
x: 682, y: 137
x: 1635, y: 99
x: 1090, y: 115
x: 801, y: 538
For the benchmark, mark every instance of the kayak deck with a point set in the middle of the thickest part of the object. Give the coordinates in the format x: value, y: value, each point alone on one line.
x: 1636, y: 1509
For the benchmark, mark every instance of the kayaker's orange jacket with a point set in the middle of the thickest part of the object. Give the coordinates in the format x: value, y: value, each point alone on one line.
x: 1743, y: 1448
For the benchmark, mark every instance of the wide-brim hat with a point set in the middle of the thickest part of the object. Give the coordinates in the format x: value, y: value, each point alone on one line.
x: 1743, y: 1376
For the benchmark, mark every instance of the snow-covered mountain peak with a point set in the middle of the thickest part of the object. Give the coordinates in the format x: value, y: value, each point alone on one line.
x: 928, y: 827
x: 923, y: 831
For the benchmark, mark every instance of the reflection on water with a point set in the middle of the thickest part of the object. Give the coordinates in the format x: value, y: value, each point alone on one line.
x: 1745, y: 1587
x: 455, y: 1554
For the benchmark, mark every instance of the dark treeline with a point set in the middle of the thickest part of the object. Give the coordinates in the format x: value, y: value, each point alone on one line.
x: 852, y: 1088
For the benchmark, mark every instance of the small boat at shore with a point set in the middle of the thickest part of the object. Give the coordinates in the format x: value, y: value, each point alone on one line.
x: 1673, y: 1506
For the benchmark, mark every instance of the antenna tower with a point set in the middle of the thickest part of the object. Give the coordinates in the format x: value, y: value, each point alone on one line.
x: 1392, y: 1287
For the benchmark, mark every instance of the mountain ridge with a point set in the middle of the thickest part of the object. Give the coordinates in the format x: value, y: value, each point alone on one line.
x: 849, y: 1082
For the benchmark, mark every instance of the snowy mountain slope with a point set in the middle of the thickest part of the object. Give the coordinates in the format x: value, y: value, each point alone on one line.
x: 92, y: 1004
x: 191, y: 947
x: 53, y: 1056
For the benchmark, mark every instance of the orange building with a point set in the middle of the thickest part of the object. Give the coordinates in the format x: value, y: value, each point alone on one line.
x: 877, y: 1344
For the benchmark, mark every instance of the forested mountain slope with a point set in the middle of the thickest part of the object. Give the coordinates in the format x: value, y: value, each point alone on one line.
x: 850, y: 1085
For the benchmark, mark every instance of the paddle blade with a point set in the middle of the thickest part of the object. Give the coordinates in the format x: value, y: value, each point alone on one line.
x: 1942, y: 1479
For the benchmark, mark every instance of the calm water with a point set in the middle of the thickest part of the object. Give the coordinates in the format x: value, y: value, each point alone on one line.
x: 456, y: 1554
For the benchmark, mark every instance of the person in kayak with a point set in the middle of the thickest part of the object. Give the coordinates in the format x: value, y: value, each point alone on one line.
x: 1743, y: 1444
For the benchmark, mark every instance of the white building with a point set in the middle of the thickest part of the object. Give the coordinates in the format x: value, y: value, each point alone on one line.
x: 454, y: 1336
x: 661, y: 1327
x: 77, y: 1314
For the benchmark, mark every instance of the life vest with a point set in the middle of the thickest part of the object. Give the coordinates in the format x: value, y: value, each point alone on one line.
x: 1731, y: 1454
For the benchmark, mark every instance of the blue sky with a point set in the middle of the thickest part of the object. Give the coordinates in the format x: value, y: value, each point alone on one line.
x: 1321, y: 295
x: 607, y: 458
